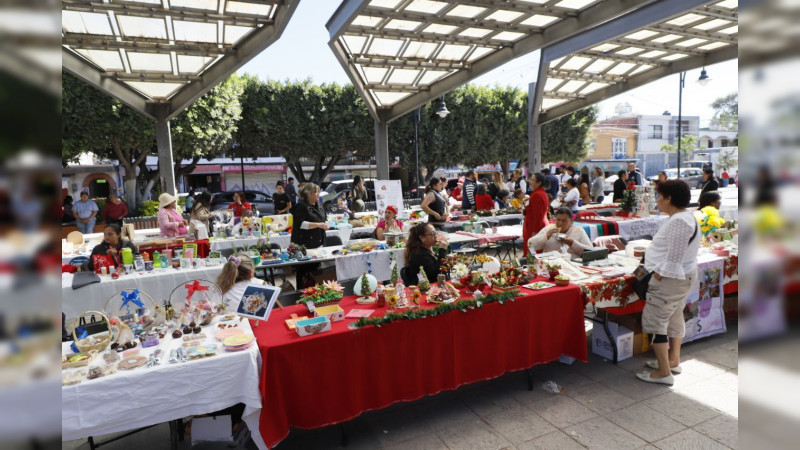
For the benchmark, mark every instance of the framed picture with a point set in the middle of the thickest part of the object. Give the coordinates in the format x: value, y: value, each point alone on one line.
x: 138, y: 265
x: 257, y: 301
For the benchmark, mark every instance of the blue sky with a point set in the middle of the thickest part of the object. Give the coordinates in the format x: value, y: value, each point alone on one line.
x: 302, y: 52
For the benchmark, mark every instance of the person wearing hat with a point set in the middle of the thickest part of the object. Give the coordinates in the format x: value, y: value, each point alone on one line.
x: 169, y: 221
x: 389, y: 223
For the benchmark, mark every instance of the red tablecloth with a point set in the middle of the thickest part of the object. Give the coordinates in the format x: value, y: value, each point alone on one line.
x: 333, y: 377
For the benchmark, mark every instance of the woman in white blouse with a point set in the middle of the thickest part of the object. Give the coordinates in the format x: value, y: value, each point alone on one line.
x: 554, y: 237
x: 672, y: 259
x: 572, y: 196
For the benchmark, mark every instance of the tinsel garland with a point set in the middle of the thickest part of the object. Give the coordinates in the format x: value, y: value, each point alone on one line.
x: 444, y: 308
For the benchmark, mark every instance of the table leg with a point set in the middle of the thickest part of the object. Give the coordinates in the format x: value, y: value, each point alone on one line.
x: 91, y: 443
x: 610, y: 338
x: 345, y: 436
x: 173, y: 435
x: 530, y: 378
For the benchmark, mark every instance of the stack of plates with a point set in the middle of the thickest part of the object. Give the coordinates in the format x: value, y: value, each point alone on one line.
x: 228, y: 332
x: 238, y: 342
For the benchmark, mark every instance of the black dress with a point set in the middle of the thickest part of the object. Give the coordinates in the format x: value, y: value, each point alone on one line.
x: 305, y: 212
x: 428, y: 261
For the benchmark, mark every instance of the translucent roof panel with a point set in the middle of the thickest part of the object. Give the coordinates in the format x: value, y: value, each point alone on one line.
x: 403, y: 53
x: 681, y: 40
x: 154, y: 51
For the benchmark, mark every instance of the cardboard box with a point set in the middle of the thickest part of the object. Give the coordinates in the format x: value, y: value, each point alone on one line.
x: 632, y: 322
x: 601, y: 345
x: 316, y: 325
x: 334, y: 313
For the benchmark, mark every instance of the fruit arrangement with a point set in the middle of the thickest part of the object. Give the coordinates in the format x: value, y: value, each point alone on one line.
x: 561, y: 280
x: 476, y: 281
x: 510, y: 276
x: 325, y: 293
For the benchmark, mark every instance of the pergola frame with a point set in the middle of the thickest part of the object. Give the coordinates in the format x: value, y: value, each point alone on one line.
x: 224, y: 58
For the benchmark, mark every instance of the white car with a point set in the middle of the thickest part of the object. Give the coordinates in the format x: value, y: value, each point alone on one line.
x: 608, y: 185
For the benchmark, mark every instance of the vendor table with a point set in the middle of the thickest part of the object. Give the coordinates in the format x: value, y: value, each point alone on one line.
x: 158, y: 284
x: 285, y: 239
x: 623, y: 226
x: 145, y: 396
x: 329, y: 378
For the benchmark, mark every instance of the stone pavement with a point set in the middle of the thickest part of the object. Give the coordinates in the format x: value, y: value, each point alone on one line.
x: 603, y: 406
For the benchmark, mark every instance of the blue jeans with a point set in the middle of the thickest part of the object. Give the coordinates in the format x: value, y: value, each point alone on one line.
x: 600, y: 198
x: 88, y: 227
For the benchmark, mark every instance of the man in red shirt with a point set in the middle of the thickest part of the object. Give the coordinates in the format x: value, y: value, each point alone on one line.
x: 239, y: 204
x: 725, y: 178
x: 115, y: 210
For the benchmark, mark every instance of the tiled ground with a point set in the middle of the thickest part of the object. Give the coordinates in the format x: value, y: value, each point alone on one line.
x: 603, y: 407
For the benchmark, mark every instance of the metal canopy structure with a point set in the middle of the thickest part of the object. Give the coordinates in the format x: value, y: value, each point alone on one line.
x: 159, y: 56
x: 401, y: 54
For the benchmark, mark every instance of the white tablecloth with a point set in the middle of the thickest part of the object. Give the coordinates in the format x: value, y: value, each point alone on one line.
x: 639, y: 227
x: 354, y: 264
x: 285, y: 240
x: 146, y: 396
x: 158, y: 284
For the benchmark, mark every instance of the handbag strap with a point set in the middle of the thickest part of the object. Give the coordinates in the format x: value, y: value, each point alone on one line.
x: 694, y: 235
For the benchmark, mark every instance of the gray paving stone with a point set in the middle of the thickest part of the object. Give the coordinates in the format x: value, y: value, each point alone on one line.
x: 599, y: 398
x: 600, y: 433
x: 712, y: 394
x: 689, y: 439
x: 397, y: 426
x: 728, y: 380
x: 562, y: 411
x: 557, y: 440
x: 519, y: 425
x: 489, y: 400
x: 723, y: 429
x: 473, y: 435
x: 678, y: 407
x: 634, y: 388
x: 645, y: 422
x: 425, y: 442
x: 563, y: 375
x: 597, y: 368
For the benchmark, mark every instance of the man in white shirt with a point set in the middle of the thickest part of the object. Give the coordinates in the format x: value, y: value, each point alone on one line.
x: 563, y: 233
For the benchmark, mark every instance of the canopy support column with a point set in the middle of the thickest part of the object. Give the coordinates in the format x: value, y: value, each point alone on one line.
x: 382, y: 149
x: 535, y: 92
x: 164, y: 142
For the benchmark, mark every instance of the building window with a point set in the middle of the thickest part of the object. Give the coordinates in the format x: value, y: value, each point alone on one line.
x: 654, y: 132
x: 618, y: 147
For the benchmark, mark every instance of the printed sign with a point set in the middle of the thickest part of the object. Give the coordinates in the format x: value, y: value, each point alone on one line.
x: 389, y: 192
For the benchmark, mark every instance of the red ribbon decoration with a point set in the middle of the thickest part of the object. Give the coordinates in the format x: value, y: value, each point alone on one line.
x: 192, y: 288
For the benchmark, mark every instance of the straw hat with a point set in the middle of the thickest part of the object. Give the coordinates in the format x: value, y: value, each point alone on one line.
x: 166, y: 199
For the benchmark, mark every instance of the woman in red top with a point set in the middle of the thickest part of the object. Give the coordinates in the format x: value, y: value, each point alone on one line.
x: 483, y: 201
x: 239, y: 205
x: 535, y: 210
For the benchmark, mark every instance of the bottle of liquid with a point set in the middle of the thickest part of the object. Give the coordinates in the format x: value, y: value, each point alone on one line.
x: 156, y: 260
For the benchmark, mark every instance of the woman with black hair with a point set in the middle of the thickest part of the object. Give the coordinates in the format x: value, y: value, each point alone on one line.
x: 434, y: 204
x: 419, y: 253
x: 671, y: 258
x: 620, y: 185
x: 112, y: 245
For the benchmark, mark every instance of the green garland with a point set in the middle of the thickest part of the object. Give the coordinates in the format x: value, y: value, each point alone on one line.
x: 460, y: 305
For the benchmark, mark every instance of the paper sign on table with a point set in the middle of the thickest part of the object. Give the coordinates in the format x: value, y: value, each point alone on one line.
x: 359, y: 313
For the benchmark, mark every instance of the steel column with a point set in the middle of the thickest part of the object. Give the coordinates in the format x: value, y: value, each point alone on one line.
x: 382, y: 149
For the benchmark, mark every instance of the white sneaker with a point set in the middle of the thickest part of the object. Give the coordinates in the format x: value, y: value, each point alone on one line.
x: 669, y: 380
x: 653, y: 364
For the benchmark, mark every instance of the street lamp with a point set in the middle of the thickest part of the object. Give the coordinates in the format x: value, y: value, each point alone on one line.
x: 702, y: 81
x: 442, y: 112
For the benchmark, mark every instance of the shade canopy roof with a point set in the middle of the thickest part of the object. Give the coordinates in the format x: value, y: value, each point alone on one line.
x: 159, y: 56
x: 666, y: 39
x: 402, y: 53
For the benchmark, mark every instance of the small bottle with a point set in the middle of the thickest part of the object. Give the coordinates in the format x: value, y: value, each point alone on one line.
x: 156, y: 260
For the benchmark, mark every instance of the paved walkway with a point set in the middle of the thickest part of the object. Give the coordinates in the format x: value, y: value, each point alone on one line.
x: 603, y: 407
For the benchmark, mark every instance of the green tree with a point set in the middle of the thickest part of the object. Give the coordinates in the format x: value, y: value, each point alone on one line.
x: 726, y: 112
x: 96, y: 123
x: 567, y: 138
x: 688, y: 144
x: 728, y: 159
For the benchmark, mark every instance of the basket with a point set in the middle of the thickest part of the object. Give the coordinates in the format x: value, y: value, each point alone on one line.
x: 100, y: 344
x: 144, y: 315
x: 561, y: 282
x: 210, y: 300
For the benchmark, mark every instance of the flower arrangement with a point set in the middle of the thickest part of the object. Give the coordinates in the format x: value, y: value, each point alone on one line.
x: 459, y: 271
x: 710, y: 220
x: 392, y: 300
x: 325, y: 293
x: 476, y: 281
x: 482, y: 259
x: 628, y: 202
x: 416, y: 295
x: 510, y: 276
x: 485, y: 213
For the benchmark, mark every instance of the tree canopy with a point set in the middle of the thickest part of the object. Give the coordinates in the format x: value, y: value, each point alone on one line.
x: 726, y: 112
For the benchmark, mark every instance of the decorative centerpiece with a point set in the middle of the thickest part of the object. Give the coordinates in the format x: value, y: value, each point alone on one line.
x: 509, y: 278
x: 476, y: 281
x: 561, y: 280
x: 390, y: 293
x: 552, y: 269
x: 628, y: 203
x: 196, y: 301
x: 443, y: 292
x: 424, y: 283
x: 459, y: 271
x: 327, y: 293
x: 297, y: 251
x: 133, y: 307
x: 366, y: 284
x: 710, y: 222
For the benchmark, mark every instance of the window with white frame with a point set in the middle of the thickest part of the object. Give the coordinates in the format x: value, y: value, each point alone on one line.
x: 618, y: 147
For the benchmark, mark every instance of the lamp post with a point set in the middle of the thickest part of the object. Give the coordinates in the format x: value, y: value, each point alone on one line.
x: 702, y: 81
x: 442, y: 112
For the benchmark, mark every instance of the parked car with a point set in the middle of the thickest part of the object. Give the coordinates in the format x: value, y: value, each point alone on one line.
x: 332, y: 191
x: 693, y: 176
x: 608, y: 185
x: 258, y: 200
